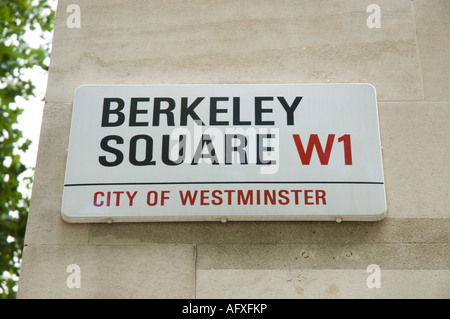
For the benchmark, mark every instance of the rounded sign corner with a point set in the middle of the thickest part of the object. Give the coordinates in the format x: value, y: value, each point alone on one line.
x: 81, y: 87
x: 67, y: 218
x: 381, y: 216
x: 371, y: 86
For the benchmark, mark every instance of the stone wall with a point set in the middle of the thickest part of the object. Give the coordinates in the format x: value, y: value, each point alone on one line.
x: 238, y: 41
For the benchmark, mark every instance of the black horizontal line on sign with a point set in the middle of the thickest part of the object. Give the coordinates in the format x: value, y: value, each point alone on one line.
x: 205, y: 183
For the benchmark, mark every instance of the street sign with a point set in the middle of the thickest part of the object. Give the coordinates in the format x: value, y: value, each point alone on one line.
x: 224, y: 152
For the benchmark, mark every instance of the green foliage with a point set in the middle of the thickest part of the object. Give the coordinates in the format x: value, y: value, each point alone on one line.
x: 16, y: 55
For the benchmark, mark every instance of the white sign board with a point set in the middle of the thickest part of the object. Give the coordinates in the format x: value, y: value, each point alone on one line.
x: 224, y: 152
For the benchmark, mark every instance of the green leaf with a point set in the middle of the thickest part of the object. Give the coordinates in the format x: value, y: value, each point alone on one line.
x: 16, y: 17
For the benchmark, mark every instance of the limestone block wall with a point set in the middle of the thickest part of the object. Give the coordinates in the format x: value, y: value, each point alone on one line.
x: 254, y: 41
